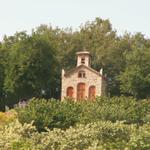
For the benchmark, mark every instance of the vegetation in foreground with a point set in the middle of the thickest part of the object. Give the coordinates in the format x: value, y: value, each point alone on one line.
x: 106, y: 123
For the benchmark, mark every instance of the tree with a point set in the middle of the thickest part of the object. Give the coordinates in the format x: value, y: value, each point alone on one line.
x: 3, y: 65
x: 102, y: 41
x: 96, y: 36
x: 30, y: 69
x: 135, y: 80
x: 2, y: 103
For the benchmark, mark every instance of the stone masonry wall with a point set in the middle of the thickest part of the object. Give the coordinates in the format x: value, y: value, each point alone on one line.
x: 73, y: 80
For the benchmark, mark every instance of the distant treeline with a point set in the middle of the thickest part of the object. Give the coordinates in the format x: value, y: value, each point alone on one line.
x: 30, y: 64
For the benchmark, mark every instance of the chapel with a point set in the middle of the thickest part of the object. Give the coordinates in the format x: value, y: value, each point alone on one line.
x: 82, y: 82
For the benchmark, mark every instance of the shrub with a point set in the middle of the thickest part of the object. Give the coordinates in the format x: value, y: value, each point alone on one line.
x: 96, y: 136
x: 55, y: 114
x: 7, y: 117
x: 13, y: 133
x: 50, y: 113
x: 144, y: 108
x: 114, y: 109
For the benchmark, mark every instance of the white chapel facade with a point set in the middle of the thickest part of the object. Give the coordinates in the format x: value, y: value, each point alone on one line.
x: 82, y: 82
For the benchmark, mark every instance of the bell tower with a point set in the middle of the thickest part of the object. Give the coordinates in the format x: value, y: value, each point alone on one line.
x: 83, y: 58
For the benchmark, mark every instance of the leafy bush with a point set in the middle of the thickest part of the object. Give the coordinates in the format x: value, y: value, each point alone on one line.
x: 50, y: 113
x: 55, y: 114
x: 125, y: 109
x: 7, y: 117
x: 96, y: 136
x: 144, y: 108
x: 107, y: 123
x: 13, y: 132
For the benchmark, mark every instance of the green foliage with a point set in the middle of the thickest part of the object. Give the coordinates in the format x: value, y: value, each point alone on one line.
x: 55, y: 114
x: 135, y: 80
x: 3, y: 65
x: 96, y: 136
x: 31, y: 67
x: 114, y: 109
x: 106, y: 123
x: 7, y: 117
x: 13, y: 133
x: 50, y: 113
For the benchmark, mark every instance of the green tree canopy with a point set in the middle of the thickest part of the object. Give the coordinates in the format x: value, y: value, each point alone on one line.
x: 30, y: 69
x: 135, y: 80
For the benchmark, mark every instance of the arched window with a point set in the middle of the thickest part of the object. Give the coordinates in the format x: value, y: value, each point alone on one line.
x: 70, y: 92
x: 92, y: 92
x: 81, y: 91
x: 83, y: 60
x: 81, y: 74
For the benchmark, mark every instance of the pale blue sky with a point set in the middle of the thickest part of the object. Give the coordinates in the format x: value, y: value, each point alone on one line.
x: 125, y: 15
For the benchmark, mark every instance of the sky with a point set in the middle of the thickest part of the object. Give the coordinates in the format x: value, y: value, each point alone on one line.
x: 125, y: 15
